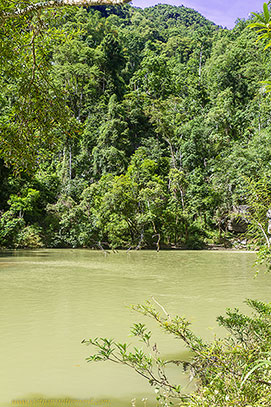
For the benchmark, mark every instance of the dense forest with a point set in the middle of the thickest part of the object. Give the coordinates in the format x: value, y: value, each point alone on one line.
x: 123, y: 128
x: 160, y: 123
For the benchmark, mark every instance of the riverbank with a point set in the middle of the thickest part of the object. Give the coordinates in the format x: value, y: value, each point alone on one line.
x: 215, y: 248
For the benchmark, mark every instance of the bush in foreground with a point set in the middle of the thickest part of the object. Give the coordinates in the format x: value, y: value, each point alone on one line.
x: 233, y: 371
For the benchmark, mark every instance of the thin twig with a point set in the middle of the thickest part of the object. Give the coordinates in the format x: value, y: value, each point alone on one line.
x: 265, y: 235
x: 162, y: 308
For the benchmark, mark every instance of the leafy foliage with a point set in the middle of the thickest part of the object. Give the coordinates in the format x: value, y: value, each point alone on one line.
x: 263, y: 25
x: 234, y: 371
x: 138, y: 128
x: 33, y: 109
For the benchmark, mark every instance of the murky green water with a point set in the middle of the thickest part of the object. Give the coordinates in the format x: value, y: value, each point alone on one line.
x: 51, y: 299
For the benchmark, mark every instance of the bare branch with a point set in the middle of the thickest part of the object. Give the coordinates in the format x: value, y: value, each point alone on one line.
x: 162, y: 308
x: 265, y: 235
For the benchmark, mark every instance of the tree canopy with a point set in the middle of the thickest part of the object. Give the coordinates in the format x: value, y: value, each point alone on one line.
x: 141, y: 125
x: 34, y: 107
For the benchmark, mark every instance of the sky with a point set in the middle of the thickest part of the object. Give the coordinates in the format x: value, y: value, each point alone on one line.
x: 221, y: 12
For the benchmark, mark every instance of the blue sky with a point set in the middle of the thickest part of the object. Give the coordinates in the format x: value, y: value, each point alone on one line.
x: 221, y: 12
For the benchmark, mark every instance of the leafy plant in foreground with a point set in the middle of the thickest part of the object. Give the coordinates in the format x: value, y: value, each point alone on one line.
x: 263, y: 25
x: 233, y: 371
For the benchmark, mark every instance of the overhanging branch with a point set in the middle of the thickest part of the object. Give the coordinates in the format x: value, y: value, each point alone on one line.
x: 61, y: 3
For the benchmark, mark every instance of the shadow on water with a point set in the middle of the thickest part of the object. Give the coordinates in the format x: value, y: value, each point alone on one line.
x: 24, y: 253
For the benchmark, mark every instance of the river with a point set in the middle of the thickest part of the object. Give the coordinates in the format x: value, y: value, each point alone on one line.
x: 51, y: 299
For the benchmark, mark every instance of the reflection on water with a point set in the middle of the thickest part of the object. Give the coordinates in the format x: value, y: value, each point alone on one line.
x: 51, y: 299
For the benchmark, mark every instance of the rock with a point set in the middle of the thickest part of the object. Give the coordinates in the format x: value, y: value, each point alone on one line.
x: 238, y: 222
x: 237, y: 225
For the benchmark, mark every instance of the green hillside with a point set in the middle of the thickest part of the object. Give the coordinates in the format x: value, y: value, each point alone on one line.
x: 141, y: 131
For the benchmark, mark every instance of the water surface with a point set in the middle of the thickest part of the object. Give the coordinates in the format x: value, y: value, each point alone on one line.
x: 51, y: 299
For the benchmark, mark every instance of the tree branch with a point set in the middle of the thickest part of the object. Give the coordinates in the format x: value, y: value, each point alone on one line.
x: 61, y: 3
x: 162, y: 308
x: 265, y: 235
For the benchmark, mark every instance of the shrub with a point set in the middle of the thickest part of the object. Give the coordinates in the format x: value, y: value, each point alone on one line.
x: 233, y: 371
x: 29, y: 237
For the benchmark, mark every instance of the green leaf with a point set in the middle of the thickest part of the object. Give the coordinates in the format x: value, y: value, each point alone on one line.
x: 261, y: 37
x: 260, y: 364
x: 257, y: 25
x: 266, y: 12
x: 267, y: 46
x: 259, y: 16
x: 262, y: 29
